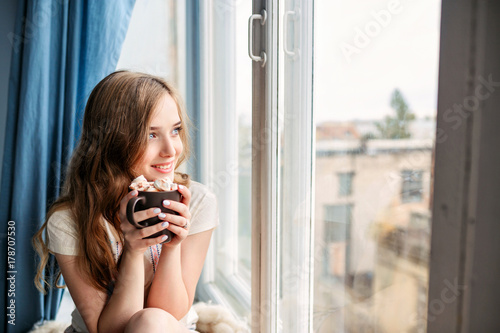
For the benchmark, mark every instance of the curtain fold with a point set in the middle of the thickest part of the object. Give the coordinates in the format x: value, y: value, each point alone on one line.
x: 60, y: 50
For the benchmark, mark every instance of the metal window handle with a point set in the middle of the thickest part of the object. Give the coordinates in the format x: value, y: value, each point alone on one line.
x: 262, y: 17
x: 294, y: 16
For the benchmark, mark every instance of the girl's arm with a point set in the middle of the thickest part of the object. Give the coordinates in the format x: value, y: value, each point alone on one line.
x: 91, y: 303
x: 177, y: 274
x: 88, y: 300
x: 180, y: 263
x: 128, y: 294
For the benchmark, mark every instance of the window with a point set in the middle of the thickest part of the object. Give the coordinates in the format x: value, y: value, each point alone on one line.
x: 268, y: 139
x: 345, y: 183
x: 412, y: 186
x: 337, y: 223
x: 259, y: 140
x: 225, y: 145
x: 375, y: 77
x: 337, y: 239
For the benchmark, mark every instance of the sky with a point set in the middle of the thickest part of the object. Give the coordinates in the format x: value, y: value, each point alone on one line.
x: 351, y: 80
x: 364, y: 49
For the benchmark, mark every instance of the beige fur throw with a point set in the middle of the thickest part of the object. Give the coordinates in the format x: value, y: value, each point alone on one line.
x: 217, y: 319
x: 212, y: 319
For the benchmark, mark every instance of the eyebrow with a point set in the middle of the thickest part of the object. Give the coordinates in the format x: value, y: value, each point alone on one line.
x: 155, y: 128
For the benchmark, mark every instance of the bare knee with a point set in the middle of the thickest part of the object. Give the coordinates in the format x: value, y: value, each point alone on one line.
x: 152, y: 320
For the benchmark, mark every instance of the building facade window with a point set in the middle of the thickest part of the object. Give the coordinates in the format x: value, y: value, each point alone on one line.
x: 345, y: 183
x: 338, y: 219
x: 411, y: 190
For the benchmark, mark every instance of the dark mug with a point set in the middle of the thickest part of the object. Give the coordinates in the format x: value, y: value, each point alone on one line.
x: 145, y: 200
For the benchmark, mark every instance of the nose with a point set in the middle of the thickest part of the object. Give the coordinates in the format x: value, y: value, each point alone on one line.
x: 167, y: 148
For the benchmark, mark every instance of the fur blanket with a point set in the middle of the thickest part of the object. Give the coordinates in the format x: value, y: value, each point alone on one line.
x: 212, y: 319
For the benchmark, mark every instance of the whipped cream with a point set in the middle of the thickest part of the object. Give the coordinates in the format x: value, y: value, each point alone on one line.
x: 159, y: 185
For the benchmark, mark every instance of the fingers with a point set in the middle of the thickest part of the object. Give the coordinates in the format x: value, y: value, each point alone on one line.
x: 125, y: 200
x: 129, y: 196
x: 181, y: 233
x: 178, y: 220
x: 149, y: 231
x: 186, y: 194
x: 178, y: 207
x: 140, y: 216
x: 137, y: 240
x: 147, y: 214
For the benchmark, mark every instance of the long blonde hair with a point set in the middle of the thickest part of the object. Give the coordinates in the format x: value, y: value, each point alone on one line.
x: 114, y: 137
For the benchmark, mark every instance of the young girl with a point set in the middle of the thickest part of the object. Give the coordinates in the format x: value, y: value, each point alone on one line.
x: 134, y: 124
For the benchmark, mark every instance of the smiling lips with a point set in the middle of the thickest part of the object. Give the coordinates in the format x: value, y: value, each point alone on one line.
x: 164, y: 168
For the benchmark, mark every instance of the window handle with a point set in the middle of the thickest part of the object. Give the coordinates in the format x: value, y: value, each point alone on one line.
x: 290, y: 14
x: 262, y: 17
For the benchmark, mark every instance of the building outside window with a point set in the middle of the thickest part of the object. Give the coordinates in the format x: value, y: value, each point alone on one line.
x: 345, y: 183
x: 411, y: 185
x: 384, y: 92
x: 338, y: 220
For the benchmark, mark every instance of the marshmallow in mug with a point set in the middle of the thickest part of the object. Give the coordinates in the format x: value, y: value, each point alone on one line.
x: 159, y: 185
x: 140, y: 184
x: 165, y: 184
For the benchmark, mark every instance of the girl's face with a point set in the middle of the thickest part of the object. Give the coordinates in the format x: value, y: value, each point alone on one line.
x: 164, y: 143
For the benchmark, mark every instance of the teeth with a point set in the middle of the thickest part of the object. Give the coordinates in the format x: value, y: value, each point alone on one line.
x: 163, y: 167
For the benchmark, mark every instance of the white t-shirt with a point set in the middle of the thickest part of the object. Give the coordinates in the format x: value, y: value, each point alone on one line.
x: 62, y: 238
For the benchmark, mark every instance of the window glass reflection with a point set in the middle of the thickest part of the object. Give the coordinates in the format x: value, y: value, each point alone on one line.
x: 375, y: 88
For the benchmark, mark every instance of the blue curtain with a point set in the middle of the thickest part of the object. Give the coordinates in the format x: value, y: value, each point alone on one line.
x: 61, y: 49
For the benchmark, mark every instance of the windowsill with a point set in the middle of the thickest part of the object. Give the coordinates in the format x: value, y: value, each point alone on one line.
x: 66, y: 308
x: 230, y: 291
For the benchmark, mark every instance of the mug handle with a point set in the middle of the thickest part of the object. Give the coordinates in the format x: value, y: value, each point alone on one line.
x: 130, y: 211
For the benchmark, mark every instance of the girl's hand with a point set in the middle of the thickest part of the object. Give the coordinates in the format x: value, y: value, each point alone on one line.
x: 178, y: 224
x: 134, y: 242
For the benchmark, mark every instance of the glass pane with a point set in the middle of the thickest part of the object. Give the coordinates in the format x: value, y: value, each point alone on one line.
x: 375, y: 99
x: 150, y: 45
x: 231, y: 129
x: 295, y: 156
x: 244, y: 110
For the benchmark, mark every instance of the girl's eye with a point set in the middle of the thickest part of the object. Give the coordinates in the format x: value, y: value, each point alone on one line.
x: 176, y: 131
x: 152, y: 135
